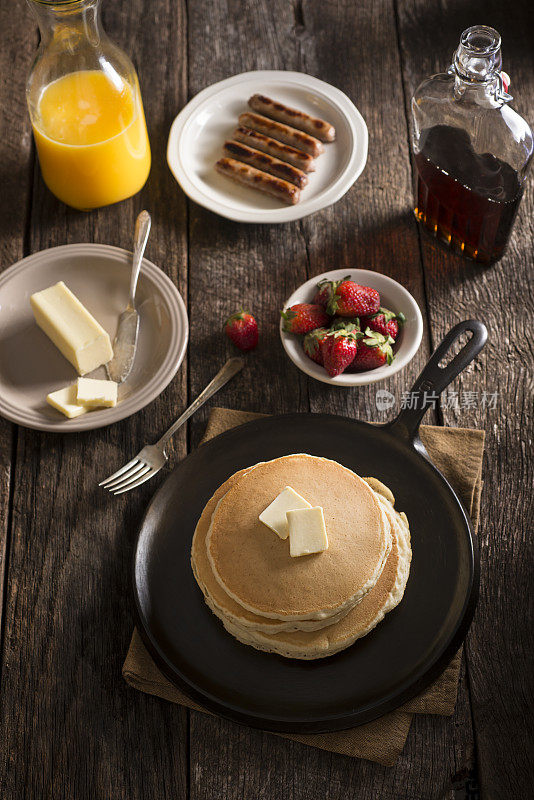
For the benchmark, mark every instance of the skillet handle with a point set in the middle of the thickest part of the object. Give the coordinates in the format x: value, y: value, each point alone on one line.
x: 434, y: 379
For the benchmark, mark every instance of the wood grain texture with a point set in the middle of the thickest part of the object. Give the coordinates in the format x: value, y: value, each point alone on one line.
x: 365, y: 227
x: 71, y: 727
x: 259, y: 266
x: 250, y: 763
x: 15, y: 172
x: 499, y: 645
x: 235, y: 266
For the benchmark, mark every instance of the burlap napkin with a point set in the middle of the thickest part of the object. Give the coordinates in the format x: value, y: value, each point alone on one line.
x: 457, y: 452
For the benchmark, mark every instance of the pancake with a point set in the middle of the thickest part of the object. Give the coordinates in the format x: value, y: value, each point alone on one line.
x: 224, y: 606
x: 307, y: 641
x: 253, y: 566
x: 380, y: 488
x: 382, y: 598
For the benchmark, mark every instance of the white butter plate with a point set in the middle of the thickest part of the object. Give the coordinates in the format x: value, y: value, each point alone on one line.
x: 199, y: 131
x: 99, y: 275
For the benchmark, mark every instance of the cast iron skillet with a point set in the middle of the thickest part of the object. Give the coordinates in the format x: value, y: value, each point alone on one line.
x: 397, y: 660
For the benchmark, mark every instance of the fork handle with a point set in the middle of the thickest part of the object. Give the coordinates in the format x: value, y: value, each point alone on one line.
x: 231, y: 368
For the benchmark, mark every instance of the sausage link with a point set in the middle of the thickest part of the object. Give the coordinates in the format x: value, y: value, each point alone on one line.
x: 291, y: 116
x: 284, y: 133
x: 256, y: 179
x: 266, y: 163
x: 273, y: 148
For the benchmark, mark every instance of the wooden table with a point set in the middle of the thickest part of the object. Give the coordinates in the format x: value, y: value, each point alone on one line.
x: 71, y: 728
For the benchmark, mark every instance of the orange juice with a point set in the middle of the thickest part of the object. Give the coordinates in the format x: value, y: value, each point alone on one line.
x: 91, y: 137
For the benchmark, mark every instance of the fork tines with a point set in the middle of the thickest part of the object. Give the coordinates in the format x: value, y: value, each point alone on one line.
x: 128, y: 477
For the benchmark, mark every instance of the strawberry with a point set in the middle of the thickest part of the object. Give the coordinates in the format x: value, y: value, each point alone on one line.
x: 374, y: 350
x: 349, y: 299
x: 325, y: 289
x: 242, y: 329
x: 385, y: 322
x: 322, y: 295
x: 303, y: 318
x: 339, y: 349
x: 312, y: 344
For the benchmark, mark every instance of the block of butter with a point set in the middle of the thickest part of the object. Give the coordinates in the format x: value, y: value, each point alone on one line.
x: 93, y: 393
x: 307, y: 531
x: 74, y: 331
x: 274, y: 515
x: 64, y: 400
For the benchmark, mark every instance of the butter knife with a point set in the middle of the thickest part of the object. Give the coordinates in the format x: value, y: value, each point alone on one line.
x: 125, y: 343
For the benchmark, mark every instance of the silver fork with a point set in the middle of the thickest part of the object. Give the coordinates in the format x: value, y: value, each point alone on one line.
x: 153, y: 457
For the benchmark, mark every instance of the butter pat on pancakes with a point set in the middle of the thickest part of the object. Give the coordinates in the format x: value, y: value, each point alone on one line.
x: 275, y: 515
x: 307, y: 531
x: 70, y: 326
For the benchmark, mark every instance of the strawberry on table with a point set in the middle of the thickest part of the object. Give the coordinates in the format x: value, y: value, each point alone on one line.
x: 303, y: 318
x: 374, y: 350
x: 242, y: 329
x: 385, y: 322
x: 349, y: 299
x: 312, y: 344
x: 339, y: 349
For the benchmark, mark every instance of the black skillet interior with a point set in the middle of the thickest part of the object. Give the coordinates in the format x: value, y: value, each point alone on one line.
x: 378, y: 673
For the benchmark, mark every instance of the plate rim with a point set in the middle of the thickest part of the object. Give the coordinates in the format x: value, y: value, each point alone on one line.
x: 351, y: 172
x: 149, y: 392
x: 340, y: 721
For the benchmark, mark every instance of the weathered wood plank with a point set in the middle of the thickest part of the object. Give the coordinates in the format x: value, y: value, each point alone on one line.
x: 371, y: 227
x: 74, y: 730
x: 72, y: 727
x: 15, y: 136
x: 251, y: 763
x: 233, y: 265
x: 499, y: 646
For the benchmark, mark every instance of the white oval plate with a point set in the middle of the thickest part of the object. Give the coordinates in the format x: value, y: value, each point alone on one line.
x: 99, y: 275
x: 392, y: 295
x: 200, y: 129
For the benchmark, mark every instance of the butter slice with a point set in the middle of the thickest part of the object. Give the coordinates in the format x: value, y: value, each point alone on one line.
x: 274, y: 515
x: 74, y: 331
x: 307, y: 531
x: 93, y: 393
x: 65, y: 401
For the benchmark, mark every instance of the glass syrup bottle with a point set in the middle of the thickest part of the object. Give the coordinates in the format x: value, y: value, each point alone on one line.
x: 471, y: 150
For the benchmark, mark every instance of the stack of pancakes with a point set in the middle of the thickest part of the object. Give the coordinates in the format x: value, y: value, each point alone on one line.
x: 316, y: 605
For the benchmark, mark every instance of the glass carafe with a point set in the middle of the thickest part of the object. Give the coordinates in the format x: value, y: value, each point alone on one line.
x: 85, y: 107
x: 471, y: 150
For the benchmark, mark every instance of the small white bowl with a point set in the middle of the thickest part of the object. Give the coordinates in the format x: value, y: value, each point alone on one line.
x: 392, y: 295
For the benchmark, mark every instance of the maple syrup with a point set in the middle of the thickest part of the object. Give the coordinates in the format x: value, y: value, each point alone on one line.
x: 471, y: 150
x: 468, y: 201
